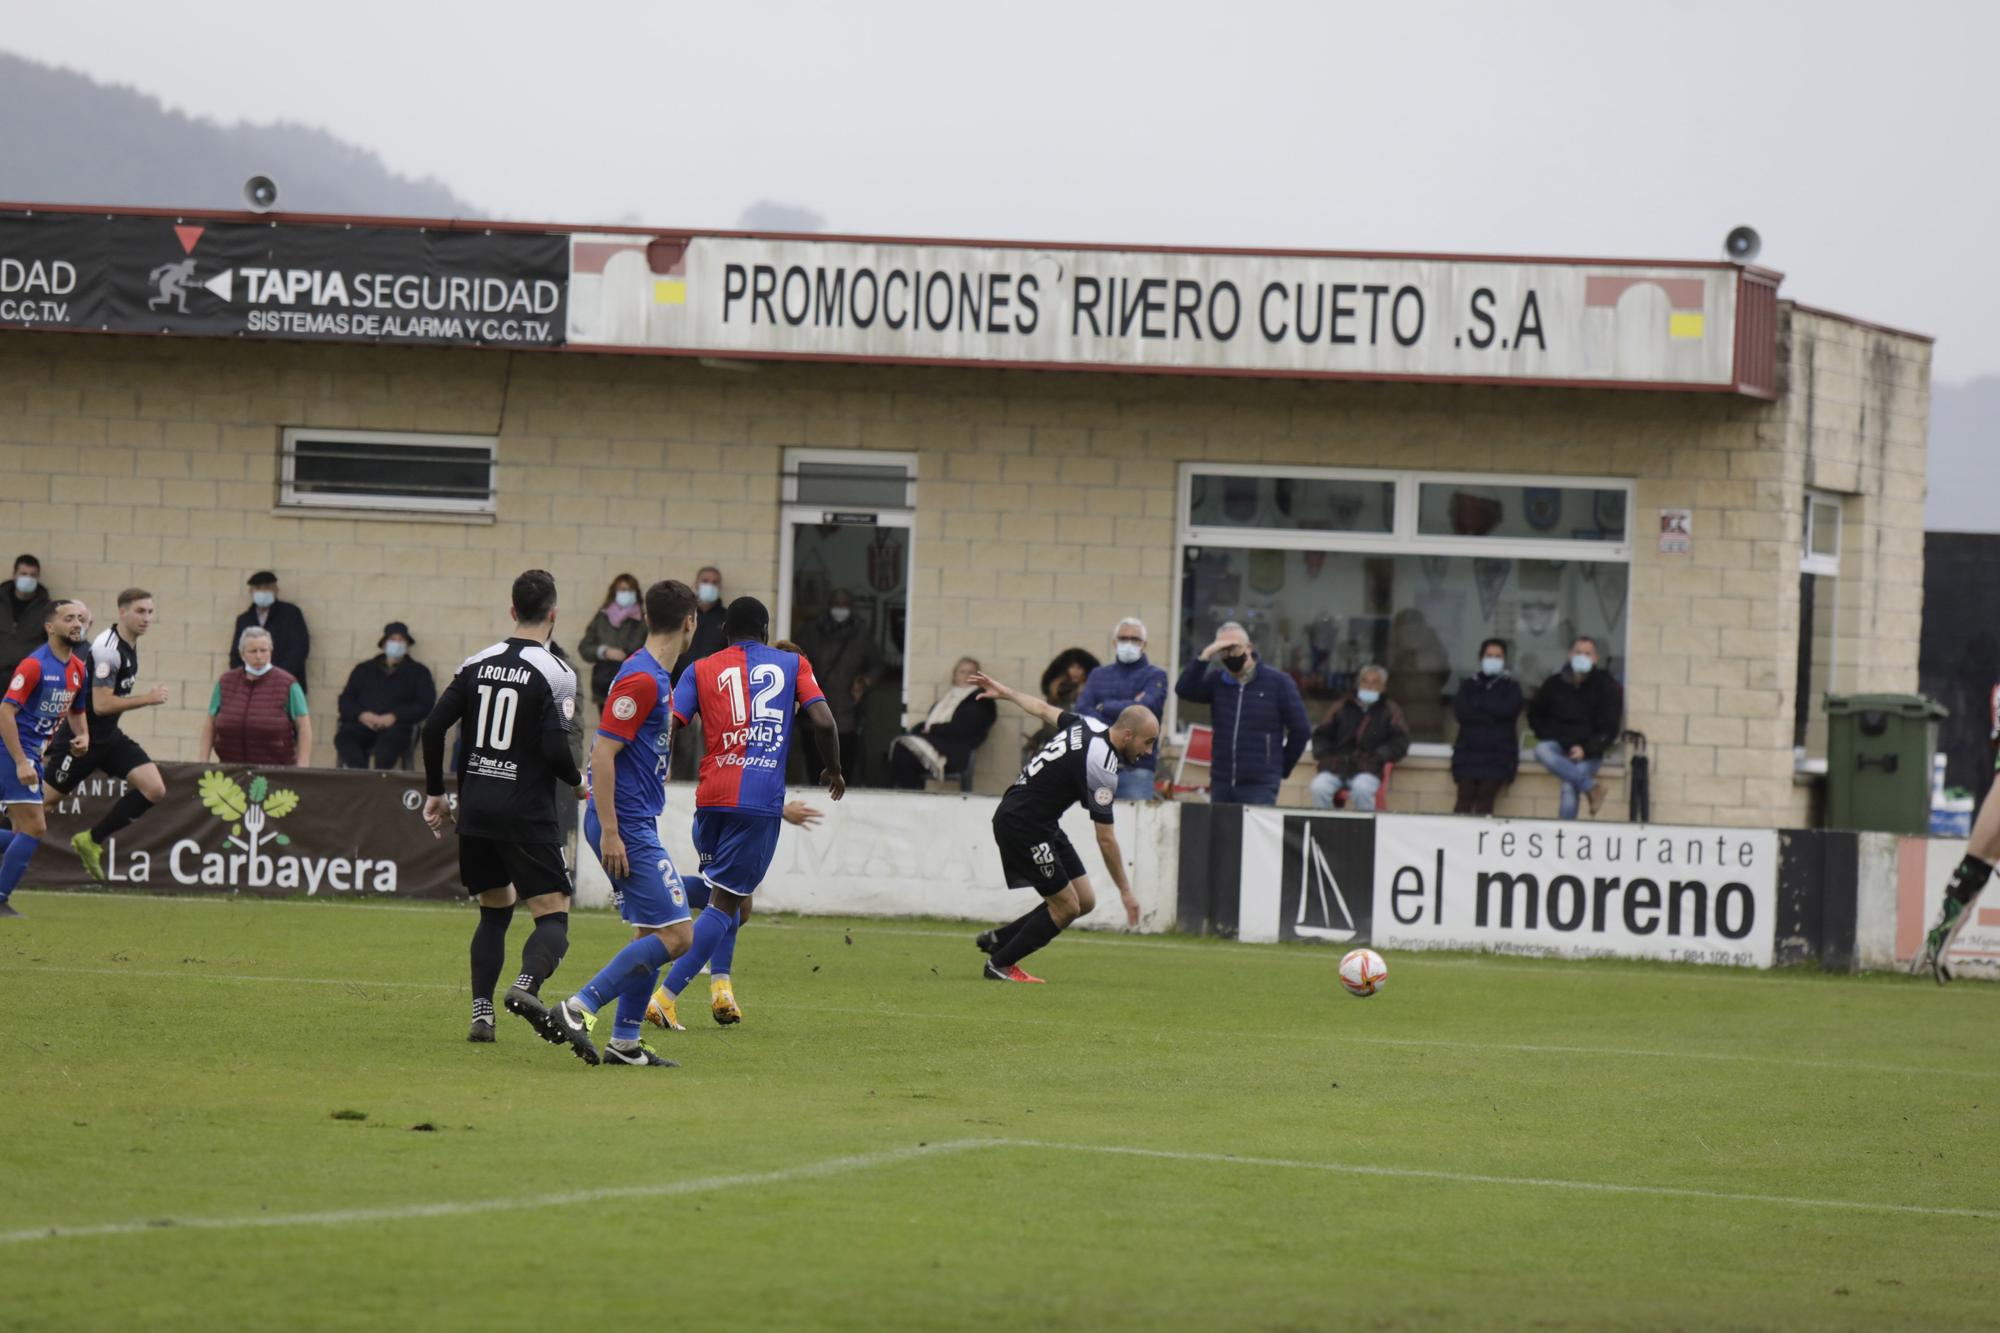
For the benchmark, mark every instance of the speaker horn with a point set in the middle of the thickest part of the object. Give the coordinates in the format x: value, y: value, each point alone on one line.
x: 1742, y: 244
x: 261, y: 193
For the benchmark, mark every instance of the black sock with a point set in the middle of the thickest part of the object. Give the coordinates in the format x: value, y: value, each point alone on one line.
x: 1007, y: 932
x: 489, y: 955
x: 129, y: 807
x: 1968, y: 879
x: 1035, y: 932
x: 542, y: 952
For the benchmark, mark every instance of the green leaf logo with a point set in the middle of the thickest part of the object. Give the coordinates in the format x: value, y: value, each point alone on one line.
x: 259, y: 785
x: 221, y: 796
x: 282, y: 802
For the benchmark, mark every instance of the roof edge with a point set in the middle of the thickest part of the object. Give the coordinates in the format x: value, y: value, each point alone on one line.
x: 857, y: 238
x: 1928, y: 339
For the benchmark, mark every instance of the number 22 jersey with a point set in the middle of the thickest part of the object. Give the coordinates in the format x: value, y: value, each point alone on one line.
x: 1077, y: 765
x: 749, y: 696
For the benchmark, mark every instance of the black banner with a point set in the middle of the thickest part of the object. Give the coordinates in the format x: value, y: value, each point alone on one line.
x: 1327, y: 889
x: 273, y: 833
x: 282, y: 280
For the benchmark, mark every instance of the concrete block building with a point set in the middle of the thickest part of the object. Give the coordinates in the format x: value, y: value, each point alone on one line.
x: 1723, y: 486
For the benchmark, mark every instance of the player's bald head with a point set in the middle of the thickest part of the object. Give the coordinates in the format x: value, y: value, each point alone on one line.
x: 1139, y: 729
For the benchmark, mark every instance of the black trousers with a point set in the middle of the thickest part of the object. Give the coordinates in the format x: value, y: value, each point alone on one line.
x: 1477, y: 797
x: 358, y: 747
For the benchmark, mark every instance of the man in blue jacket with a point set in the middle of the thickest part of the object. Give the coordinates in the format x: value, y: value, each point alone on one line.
x: 1259, y: 720
x: 1116, y: 686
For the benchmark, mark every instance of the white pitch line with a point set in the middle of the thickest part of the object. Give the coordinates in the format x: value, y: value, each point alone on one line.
x: 1499, y: 964
x: 462, y: 1207
x: 932, y: 1016
x: 867, y: 1161
x: 1529, y: 1182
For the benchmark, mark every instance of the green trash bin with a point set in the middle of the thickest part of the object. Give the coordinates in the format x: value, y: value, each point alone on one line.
x: 1878, y: 761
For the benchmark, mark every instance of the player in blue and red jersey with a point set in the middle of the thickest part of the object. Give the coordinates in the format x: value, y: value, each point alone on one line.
x: 628, y: 793
x: 45, y: 689
x: 748, y: 696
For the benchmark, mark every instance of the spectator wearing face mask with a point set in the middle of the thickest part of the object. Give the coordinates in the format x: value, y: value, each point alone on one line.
x: 1487, y: 753
x: 841, y: 647
x: 1259, y: 719
x: 257, y: 714
x: 616, y: 632
x: 1576, y: 716
x: 1131, y: 678
x: 386, y: 700
x: 709, y: 637
x: 22, y: 613
x: 1362, y: 735
x: 291, y: 641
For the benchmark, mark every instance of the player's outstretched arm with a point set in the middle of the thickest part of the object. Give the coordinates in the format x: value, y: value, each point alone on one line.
x: 826, y: 739
x: 990, y: 688
x: 1114, y: 862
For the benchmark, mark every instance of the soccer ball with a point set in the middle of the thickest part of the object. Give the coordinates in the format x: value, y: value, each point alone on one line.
x: 1362, y: 972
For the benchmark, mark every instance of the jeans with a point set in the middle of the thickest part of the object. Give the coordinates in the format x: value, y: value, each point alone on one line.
x: 1135, y: 784
x: 1363, y: 787
x: 1243, y: 793
x: 1577, y: 775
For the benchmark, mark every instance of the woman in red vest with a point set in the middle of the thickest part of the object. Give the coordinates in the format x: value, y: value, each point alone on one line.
x: 257, y: 714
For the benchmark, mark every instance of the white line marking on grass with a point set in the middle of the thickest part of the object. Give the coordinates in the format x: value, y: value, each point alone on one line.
x: 832, y: 1166
x: 1529, y: 1182
x: 1315, y: 954
x: 340, y: 1217
x: 996, y: 1017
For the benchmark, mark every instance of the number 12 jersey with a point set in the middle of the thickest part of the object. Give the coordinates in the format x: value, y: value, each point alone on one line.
x: 748, y: 696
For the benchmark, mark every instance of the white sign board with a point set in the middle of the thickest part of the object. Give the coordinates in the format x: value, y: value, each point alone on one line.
x: 1577, y: 890
x: 880, y: 853
x: 1271, y: 314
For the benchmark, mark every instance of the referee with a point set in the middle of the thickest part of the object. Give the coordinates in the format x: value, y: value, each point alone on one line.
x: 512, y: 703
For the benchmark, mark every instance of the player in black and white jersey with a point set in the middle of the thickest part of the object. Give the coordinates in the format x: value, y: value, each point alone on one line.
x: 113, y: 664
x: 1079, y: 765
x: 512, y: 703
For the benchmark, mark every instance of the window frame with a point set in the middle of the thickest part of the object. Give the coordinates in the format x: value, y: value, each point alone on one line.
x: 792, y: 510
x: 291, y: 500
x: 1821, y: 567
x: 1402, y: 538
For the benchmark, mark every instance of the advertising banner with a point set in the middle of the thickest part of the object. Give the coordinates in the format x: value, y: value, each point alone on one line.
x: 1690, y: 895
x: 1305, y: 877
x: 1271, y: 314
x: 282, y: 280
x: 276, y: 833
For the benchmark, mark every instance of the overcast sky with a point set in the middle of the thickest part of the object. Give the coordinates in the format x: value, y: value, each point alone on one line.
x: 1857, y: 137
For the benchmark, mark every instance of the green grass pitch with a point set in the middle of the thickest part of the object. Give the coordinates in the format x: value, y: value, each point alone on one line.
x: 1172, y: 1134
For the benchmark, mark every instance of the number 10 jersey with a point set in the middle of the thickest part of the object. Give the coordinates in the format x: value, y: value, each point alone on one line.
x: 513, y: 703
x: 748, y: 696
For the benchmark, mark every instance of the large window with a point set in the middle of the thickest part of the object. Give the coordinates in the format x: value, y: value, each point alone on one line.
x: 1330, y: 571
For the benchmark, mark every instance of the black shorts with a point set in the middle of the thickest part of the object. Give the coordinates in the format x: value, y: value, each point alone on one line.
x: 114, y: 754
x: 533, y: 868
x: 1038, y: 858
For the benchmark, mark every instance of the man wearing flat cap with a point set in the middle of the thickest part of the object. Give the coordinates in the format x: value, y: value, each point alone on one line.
x: 291, y: 640
x: 387, y: 698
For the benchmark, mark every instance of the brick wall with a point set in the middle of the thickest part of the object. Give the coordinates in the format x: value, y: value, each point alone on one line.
x: 1046, y: 509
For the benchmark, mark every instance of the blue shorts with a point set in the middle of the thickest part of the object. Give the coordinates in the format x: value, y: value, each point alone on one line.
x: 736, y: 848
x: 11, y: 790
x: 651, y: 895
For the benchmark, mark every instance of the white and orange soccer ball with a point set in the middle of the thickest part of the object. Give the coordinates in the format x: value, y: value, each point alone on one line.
x: 1362, y: 972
